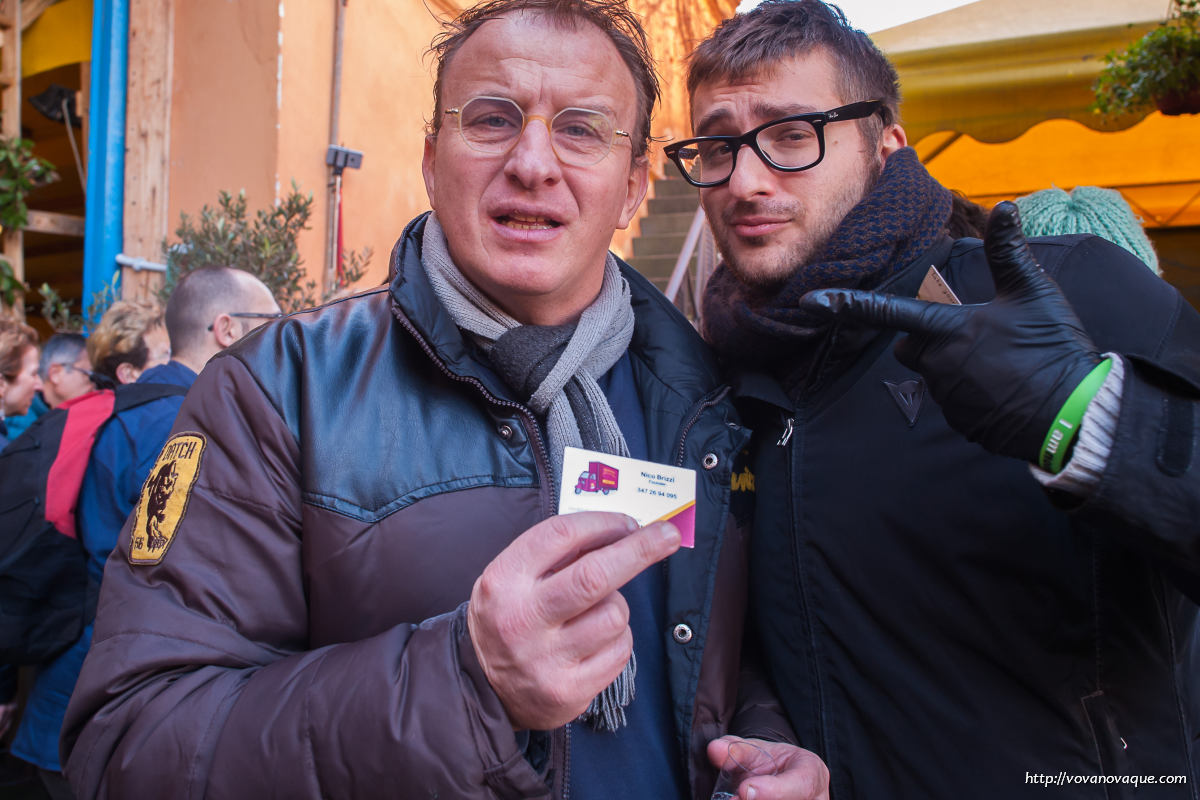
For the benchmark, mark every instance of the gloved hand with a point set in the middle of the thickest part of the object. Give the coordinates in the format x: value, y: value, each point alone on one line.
x: 1002, y: 370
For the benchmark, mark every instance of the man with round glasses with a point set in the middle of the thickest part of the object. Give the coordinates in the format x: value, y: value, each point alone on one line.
x: 346, y: 563
x: 941, y: 620
x: 580, y: 137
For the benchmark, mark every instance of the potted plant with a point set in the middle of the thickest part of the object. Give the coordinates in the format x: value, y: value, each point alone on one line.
x: 266, y: 246
x: 20, y: 172
x: 1162, y: 69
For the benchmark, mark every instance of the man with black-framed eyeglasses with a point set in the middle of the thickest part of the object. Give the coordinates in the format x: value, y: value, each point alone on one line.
x: 975, y: 566
x: 792, y: 143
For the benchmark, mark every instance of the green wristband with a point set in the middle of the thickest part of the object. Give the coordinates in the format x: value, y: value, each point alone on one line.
x: 1066, y: 424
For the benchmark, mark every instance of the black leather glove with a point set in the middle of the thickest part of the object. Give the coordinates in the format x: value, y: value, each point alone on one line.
x: 1002, y: 370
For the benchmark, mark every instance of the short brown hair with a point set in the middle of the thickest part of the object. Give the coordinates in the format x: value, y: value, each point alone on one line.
x: 612, y: 17
x: 15, y: 340
x: 779, y: 29
x: 120, y: 338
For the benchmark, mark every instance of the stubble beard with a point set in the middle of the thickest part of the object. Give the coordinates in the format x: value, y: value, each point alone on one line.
x: 764, y: 269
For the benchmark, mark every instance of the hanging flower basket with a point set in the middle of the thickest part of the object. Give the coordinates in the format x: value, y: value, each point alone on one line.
x: 1160, y: 70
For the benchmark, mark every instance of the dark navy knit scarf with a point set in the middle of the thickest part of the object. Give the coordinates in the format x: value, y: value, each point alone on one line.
x: 901, y: 217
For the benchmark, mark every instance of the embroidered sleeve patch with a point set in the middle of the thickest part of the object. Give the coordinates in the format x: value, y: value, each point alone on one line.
x: 165, y: 497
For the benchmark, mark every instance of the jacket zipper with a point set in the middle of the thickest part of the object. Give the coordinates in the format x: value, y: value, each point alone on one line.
x: 789, y: 428
x: 713, y: 398
x: 716, y: 397
x: 785, y: 439
x: 566, y: 778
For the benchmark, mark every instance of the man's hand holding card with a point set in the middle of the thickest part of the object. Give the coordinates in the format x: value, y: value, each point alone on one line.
x: 546, y: 617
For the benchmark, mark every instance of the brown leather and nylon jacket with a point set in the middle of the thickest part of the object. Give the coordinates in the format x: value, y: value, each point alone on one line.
x: 340, y: 479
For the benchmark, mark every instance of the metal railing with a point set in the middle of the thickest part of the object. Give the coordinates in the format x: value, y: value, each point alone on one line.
x: 699, y: 242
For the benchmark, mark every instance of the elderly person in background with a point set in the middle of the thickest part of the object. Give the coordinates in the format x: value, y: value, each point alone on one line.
x: 66, y: 373
x: 65, y: 369
x: 19, y: 380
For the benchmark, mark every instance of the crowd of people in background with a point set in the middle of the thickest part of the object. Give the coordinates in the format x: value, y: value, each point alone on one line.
x: 134, y: 344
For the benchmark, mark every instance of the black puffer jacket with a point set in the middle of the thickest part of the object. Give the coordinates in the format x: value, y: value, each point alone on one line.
x: 305, y: 636
x: 937, y: 624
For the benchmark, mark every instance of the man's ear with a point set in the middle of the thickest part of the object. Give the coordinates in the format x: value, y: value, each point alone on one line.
x: 127, y: 373
x: 225, y: 330
x: 892, y: 139
x: 635, y: 190
x: 428, y: 160
x: 54, y: 373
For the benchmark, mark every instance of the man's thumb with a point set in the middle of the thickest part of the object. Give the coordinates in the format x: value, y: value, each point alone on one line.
x: 1012, y: 264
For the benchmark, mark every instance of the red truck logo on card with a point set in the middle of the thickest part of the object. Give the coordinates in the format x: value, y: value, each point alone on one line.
x: 598, y: 477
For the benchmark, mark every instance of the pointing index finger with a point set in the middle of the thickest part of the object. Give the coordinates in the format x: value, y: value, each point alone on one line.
x: 881, y: 310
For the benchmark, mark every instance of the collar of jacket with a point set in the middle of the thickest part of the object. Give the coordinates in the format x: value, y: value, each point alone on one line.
x: 842, y: 345
x: 662, y: 338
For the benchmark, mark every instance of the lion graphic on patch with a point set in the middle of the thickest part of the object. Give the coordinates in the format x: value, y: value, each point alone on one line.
x: 160, y: 488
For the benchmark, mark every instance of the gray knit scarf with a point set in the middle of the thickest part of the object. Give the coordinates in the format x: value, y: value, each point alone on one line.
x: 554, y: 370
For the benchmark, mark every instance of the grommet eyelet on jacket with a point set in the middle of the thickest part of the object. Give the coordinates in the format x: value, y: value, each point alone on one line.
x: 505, y: 430
x: 682, y: 633
x: 710, y: 460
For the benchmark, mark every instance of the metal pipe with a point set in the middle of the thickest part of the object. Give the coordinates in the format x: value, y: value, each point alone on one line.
x: 140, y: 264
x: 685, y: 255
x: 335, y: 110
x: 105, y: 200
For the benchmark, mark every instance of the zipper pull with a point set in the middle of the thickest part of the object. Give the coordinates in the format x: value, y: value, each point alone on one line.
x: 787, y: 432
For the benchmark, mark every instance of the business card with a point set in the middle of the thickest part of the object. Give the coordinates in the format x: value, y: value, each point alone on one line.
x: 644, y: 490
x: 934, y: 289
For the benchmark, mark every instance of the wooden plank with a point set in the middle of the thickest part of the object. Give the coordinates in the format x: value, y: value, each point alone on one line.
x: 31, y: 10
x: 10, y: 123
x: 10, y: 68
x: 147, y: 140
x: 52, y: 222
x: 83, y: 103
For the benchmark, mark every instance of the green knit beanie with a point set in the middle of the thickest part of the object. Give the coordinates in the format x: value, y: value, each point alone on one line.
x: 1087, y: 209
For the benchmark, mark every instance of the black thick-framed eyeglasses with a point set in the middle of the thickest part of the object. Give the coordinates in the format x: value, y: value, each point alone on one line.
x: 251, y: 315
x: 789, y: 144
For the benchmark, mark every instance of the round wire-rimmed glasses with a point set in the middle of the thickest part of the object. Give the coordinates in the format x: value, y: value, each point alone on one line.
x: 790, y: 144
x: 580, y: 137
